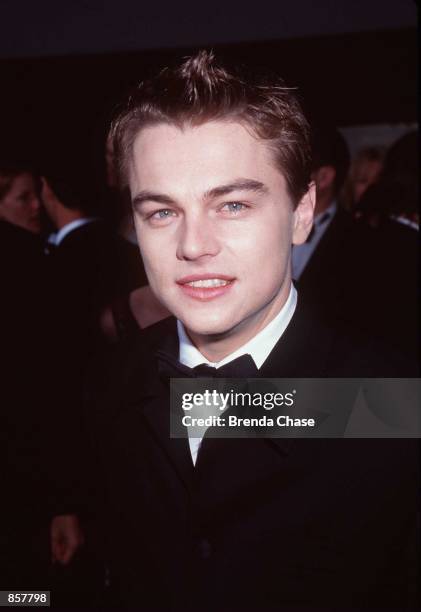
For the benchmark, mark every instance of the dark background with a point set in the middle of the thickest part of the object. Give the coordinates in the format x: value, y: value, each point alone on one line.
x: 64, y: 65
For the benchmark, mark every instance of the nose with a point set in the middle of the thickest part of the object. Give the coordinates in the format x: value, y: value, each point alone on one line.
x: 197, y: 238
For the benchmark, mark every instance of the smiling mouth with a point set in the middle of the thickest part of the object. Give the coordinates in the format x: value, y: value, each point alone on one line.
x: 208, y: 283
x: 205, y: 287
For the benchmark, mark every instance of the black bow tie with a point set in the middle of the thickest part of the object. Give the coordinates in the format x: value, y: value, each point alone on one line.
x: 242, y: 367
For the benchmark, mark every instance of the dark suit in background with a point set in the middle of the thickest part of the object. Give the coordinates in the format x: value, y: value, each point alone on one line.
x: 367, y: 278
x: 90, y: 267
x: 29, y: 384
x: 257, y: 523
x: 394, y: 305
x: 93, y: 264
x: 333, y: 274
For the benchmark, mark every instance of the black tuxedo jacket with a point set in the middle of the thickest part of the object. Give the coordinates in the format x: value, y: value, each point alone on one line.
x: 97, y: 264
x: 257, y: 523
x: 368, y: 279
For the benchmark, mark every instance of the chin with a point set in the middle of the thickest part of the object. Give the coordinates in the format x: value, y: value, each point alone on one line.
x: 206, y: 326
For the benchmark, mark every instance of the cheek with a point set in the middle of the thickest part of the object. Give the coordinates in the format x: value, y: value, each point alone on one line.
x: 19, y: 206
x: 273, y: 240
x: 157, y: 261
x: 6, y: 205
x: 272, y: 256
x: 11, y: 211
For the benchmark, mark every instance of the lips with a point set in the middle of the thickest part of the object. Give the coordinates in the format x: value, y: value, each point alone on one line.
x: 205, y: 287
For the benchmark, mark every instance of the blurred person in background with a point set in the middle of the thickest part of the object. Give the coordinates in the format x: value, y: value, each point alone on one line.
x: 402, y: 171
x: 391, y: 208
x: 31, y: 475
x: 395, y: 196
x: 90, y: 261
x: 365, y: 170
x: 20, y: 203
x: 90, y: 266
x: 344, y: 267
x: 329, y: 268
x: 321, y: 254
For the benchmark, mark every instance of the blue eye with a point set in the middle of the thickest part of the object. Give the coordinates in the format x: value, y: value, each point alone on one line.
x: 235, y: 207
x: 165, y: 213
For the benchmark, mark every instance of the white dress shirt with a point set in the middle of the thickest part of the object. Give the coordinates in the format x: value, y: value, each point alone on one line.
x: 301, y: 253
x: 258, y: 347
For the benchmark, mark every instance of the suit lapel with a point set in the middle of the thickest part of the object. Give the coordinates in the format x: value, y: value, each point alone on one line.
x: 148, y: 396
x: 157, y: 416
x: 301, y: 352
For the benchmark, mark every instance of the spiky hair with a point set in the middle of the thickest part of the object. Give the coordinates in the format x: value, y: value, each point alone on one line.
x: 201, y: 90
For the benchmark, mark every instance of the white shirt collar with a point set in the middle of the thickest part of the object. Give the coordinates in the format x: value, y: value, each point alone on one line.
x: 258, y: 347
x: 59, y: 236
x: 405, y: 221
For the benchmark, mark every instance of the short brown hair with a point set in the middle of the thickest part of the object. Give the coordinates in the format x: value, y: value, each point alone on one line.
x: 200, y: 90
x: 9, y: 171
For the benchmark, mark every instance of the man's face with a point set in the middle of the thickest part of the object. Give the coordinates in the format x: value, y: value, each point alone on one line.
x: 215, y: 225
x: 21, y: 205
x: 366, y: 174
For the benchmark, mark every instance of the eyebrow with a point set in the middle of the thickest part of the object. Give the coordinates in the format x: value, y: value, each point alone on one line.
x: 216, y: 192
x: 150, y: 196
x: 238, y: 185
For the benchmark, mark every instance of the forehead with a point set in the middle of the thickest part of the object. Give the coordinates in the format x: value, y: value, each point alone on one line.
x: 214, y: 152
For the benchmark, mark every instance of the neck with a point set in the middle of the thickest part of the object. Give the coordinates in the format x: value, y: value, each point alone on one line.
x: 218, y: 346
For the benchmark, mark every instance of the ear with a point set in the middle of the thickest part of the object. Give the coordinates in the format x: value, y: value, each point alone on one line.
x: 324, y: 177
x: 303, y: 215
